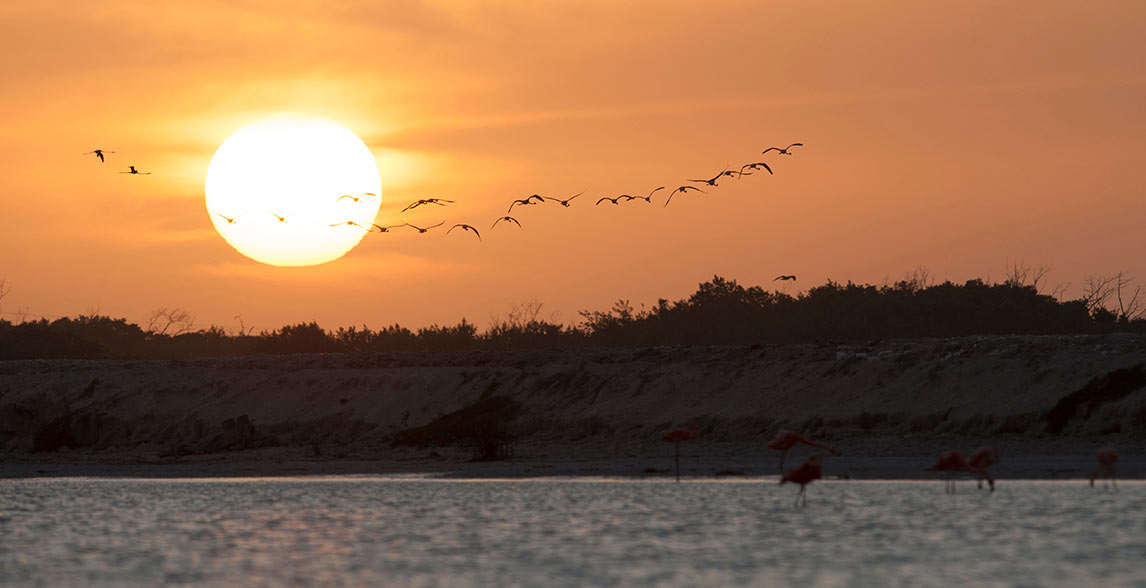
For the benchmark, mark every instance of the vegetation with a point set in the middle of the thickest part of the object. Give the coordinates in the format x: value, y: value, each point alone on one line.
x: 721, y: 311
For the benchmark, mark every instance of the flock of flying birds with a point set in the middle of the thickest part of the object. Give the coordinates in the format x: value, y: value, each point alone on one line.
x: 532, y: 200
x: 536, y: 199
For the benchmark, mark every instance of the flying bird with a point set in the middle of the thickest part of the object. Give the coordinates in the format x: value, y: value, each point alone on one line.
x: 351, y: 223
x: 754, y: 166
x: 682, y: 190
x: 282, y: 219
x: 786, y: 439
x: 649, y: 198
x: 1107, y: 457
x: 382, y: 229
x: 676, y: 436
x: 507, y: 219
x: 614, y: 200
x: 783, y: 151
x: 438, y: 201
x: 712, y: 181
x: 466, y: 227
x: 811, y: 471
x: 420, y: 229
x: 136, y: 172
x: 528, y: 200
x: 731, y: 173
x: 231, y: 219
x: 99, y: 153
x: 356, y: 198
x: 784, y: 278
x: 565, y: 202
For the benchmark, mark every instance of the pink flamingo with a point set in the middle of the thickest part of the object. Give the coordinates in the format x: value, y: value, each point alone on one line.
x: 786, y: 439
x: 676, y: 436
x: 983, y: 458
x: 804, y: 475
x: 1107, y: 457
x: 952, y: 462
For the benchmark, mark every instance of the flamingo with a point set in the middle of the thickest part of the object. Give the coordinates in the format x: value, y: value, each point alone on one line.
x: 786, y: 439
x: 754, y: 167
x: 676, y: 436
x: 420, y: 229
x: 649, y: 198
x: 565, y: 202
x: 528, y: 200
x: 1107, y: 457
x: 804, y: 475
x: 712, y: 181
x: 231, y: 219
x: 99, y: 153
x: 382, y: 229
x: 508, y: 219
x: 614, y: 200
x: 135, y: 172
x: 783, y: 151
x: 952, y: 462
x: 784, y: 278
x: 465, y: 227
x: 351, y: 223
x: 983, y: 458
x: 282, y: 219
x: 438, y: 201
x: 682, y: 190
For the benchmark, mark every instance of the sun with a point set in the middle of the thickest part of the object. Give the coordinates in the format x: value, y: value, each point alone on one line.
x: 282, y: 189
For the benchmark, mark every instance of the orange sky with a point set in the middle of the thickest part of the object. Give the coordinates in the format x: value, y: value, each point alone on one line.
x: 952, y: 135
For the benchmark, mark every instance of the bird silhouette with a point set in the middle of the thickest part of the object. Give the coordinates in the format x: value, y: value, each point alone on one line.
x: 465, y: 227
x: 356, y: 198
x: 786, y: 439
x: 983, y: 458
x: 507, y: 219
x: 423, y: 230
x: 351, y: 223
x: 755, y: 166
x: 732, y: 172
x: 282, y: 219
x: 784, y: 278
x: 438, y: 201
x: 231, y: 219
x: 807, y: 473
x: 133, y: 171
x: 649, y: 198
x: 951, y: 463
x: 1107, y: 457
x: 677, y: 436
x: 565, y: 202
x: 382, y: 229
x: 712, y: 181
x: 615, y: 200
x: 99, y: 153
x: 784, y: 150
x: 682, y: 190
x: 528, y: 200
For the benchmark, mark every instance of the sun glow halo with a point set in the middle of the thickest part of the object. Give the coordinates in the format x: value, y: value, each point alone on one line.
x: 293, y: 166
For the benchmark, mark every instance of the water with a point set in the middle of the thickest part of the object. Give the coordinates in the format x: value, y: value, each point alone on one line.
x: 371, y: 531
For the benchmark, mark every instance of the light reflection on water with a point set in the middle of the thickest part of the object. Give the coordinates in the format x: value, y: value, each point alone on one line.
x: 562, y: 532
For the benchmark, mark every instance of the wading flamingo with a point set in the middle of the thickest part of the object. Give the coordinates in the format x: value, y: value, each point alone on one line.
x: 804, y: 475
x: 1107, y: 457
x: 951, y: 463
x: 983, y: 458
x: 676, y: 436
x: 786, y: 439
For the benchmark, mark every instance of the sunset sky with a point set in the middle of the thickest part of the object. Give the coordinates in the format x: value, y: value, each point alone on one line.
x: 958, y: 136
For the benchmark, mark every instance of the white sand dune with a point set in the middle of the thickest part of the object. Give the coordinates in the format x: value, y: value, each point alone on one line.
x: 1037, y: 395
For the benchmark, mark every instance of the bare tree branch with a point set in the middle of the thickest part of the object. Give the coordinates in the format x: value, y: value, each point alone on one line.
x: 164, y: 319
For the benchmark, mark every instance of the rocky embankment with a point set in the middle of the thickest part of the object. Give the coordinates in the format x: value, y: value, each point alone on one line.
x: 1051, y: 388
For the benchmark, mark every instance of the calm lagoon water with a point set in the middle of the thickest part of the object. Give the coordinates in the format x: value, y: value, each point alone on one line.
x: 373, y: 531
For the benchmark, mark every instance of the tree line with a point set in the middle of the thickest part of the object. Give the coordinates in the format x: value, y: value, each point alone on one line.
x: 721, y: 311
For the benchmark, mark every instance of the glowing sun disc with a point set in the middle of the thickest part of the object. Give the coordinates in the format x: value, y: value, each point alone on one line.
x: 296, y: 167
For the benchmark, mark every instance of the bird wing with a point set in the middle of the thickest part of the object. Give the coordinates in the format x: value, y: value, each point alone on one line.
x: 495, y: 223
x: 346, y: 196
x: 771, y: 149
x: 765, y: 166
x: 437, y: 225
x: 514, y: 221
x: 412, y: 205
x: 606, y: 198
x: 454, y: 227
x: 793, y: 145
x: 369, y: 194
